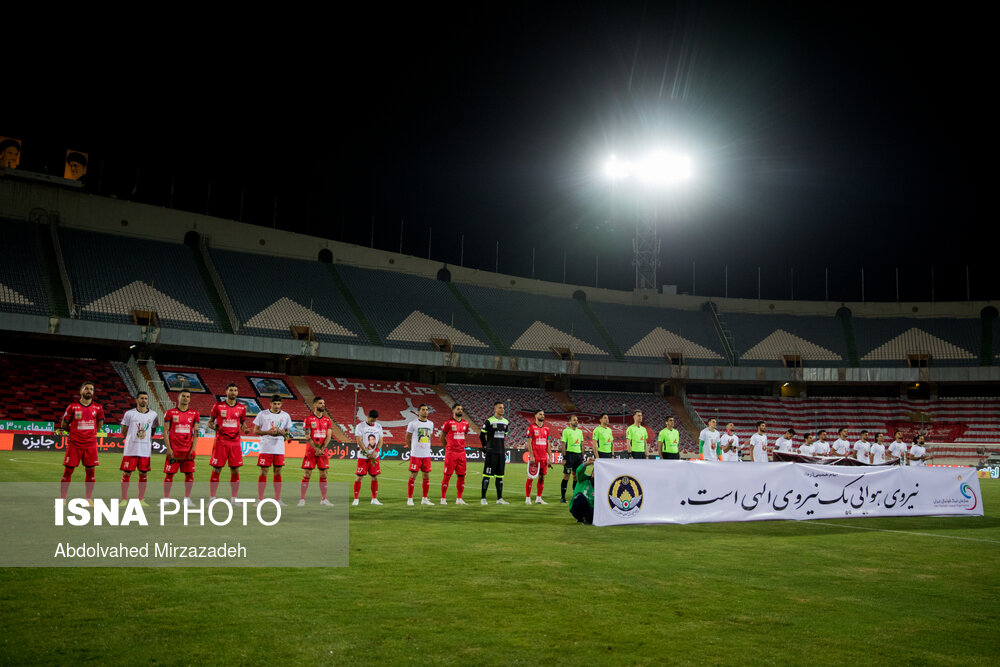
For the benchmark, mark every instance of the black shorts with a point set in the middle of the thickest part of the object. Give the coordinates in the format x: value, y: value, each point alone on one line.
x: 582, y: 510
x: 495, y: 464
x: 638, y: 455
x: 605, y: 455
x: 671, y: 455
x: 571, y: 461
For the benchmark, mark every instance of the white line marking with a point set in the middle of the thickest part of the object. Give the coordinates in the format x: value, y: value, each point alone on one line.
x: 47, y: 463
x: 902, y: 532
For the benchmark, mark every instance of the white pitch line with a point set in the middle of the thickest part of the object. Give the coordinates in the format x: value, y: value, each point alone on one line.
x: 902, y: 532
x: 47, y: 463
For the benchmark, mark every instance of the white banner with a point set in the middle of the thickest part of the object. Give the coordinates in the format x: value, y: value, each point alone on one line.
x: 657, y: 491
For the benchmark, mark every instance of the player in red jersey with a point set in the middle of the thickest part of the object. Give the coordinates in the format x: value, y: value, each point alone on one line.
x: 84, y: 418
x: 180, y: 436
x: 319, y: 430
x: 453, y: 440
x: 226, y: 420
x: 538, y: 452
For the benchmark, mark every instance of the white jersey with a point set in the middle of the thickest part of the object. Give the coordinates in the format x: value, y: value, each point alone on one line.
x: 758, y: 447
x: 861, y: 450
x: 821, y: 448
x: 363, y: 430
x: 808, y: 450
x: 420, y: 438
x: 897, y: 449
x: 711, y: 440
x: 783, y: 445
x: 265, y: 420
x: 917, y: 451
x: 878, y: 454
x: 730, y: 441
x: 138, y: 429
x: 841, y: 447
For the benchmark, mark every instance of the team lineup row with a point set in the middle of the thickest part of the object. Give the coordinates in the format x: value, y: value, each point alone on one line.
x: 84, y: 418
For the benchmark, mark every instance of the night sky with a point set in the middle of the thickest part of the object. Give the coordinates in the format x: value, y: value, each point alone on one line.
x: 822, y: 137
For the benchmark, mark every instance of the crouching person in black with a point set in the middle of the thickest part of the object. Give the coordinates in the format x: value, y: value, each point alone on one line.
x: 582, y: 507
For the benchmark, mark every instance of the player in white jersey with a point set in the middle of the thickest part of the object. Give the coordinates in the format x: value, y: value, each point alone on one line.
x: 841, y: 446
x: 897, y: 448
x: 274, y: 427
x: 420, y: 430
x: 785, y: 442
x: 137, y: 427
x: 918, y: 456
x: 708, y: 441
x: 730, y: 444
x: 821, y: 446
x: 878, y: 450
x: 368, y: 435
x: 808, y: 447
x: 758, y: 444
x: 862, y: 448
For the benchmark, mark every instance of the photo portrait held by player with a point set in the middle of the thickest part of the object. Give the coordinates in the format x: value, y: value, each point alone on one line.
x: 420, y: 431
x: 274, y: 428
x: 138, y: 425
x: 368, y: 437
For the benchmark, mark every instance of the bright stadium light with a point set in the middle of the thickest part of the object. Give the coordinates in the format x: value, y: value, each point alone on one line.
x: 664, y: 168
x: 615, y: 169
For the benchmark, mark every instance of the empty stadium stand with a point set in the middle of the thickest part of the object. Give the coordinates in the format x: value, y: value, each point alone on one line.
x: 889, y: 341
x: 409, y: 311
x: 396, y: 402
x: 765, y: 340
x: 270, y: 294
x: 532, y: 325
x: 22, y: 275
x: 39, y: 388
x: 114, y: 275
x: 645, y: 333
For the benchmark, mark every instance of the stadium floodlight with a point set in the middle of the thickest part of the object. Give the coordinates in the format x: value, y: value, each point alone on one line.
x: 664, y: 168
x: 615, y: 169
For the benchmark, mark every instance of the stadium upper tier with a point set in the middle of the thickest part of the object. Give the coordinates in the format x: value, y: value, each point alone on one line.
x: 889, y: 341
x: 22, y: 286
x: 645, y: 333
x: 112, y: 276
x: 270, y: 294
x: 765, y: 340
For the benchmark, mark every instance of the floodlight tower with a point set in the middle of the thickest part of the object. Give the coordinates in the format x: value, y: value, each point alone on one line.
x: 650, y: 175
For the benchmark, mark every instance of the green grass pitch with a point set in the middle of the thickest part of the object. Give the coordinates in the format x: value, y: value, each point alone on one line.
x: 518, y: 584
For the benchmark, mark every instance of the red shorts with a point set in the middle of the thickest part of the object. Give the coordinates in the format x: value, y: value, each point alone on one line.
x: 542, y: 456
x: 186, y: 466
x: 226, y: 452
x: 312, y: 460
x: 368, y: 467
x: 276, y: 460
x: 454, y: 462
x: 75, y: 453
x: 130, y: 463
x: 420, y: 463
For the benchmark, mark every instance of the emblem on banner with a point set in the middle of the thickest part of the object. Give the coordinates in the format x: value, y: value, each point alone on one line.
x: 625, y: 496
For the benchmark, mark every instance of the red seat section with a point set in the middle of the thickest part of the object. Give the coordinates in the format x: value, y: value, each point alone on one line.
x: 396, y: 402
x: 207, y: 384
x: 40, y: 388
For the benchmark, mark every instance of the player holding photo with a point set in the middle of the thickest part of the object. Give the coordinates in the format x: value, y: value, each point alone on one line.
x: 420, y: 430
x: 368, y: 436
x: 137, y: 427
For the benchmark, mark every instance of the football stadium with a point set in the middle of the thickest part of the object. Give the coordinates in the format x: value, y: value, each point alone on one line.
x: 246, y: 428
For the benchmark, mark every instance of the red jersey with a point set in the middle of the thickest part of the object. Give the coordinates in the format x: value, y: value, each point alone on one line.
x: 454, y: 435
x: 182, y: 427
x: 228, y: 419
x: 82, y: 420
x: 539, y: 436
x: 317, y: 428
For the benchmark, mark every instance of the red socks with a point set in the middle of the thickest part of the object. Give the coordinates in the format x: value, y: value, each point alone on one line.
x: 374, y: 487
x: 261, y: 484
x: 168, y: 482
x: 527, y: 488
x: 541, y: 485
x: 234, y: 482
x: 277, y: 486
x: 88, y: 483
x: 305, y: 487
x: 142, y: 486
x: 188, y: 483
x: 125, y: 479
x: 322, y: 489
x: 426, y: 486
x: 357, y: 487
x: 64, y: 482
x: 213, y: 482
x: 444, y: 485
x: 409, y: 488
x: 460, y: 485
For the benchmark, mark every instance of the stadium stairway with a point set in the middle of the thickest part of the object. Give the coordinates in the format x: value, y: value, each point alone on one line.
x: 564, y: 401
x: 480, y: 320
x: 852, y: 343
x: 449, y: 400
x: 370, y: 331
x: 221, y: 316
x: 50, y: 272
x: 605, y: 334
